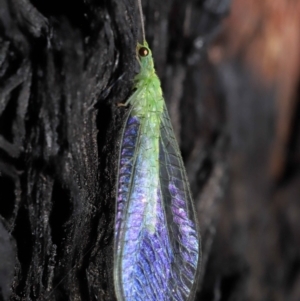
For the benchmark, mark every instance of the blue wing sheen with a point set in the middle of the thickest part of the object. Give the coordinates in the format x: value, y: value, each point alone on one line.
x: 180, y: 212
x: 159, y: 263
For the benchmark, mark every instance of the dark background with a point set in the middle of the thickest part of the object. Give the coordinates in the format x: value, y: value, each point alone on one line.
x: 230, y: 75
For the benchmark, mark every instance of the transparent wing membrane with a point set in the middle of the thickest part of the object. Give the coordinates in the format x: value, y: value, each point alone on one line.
x: 156, y: 240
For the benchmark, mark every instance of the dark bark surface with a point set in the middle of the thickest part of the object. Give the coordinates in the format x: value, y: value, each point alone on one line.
x: 64, y: 66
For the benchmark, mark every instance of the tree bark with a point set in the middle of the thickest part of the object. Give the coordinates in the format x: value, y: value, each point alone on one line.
x: 64, y: 67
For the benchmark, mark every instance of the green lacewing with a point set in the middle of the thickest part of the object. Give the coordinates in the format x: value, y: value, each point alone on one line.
x: 156, y: 243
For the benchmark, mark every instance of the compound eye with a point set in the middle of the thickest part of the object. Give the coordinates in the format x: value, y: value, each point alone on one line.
x: 143, y: 51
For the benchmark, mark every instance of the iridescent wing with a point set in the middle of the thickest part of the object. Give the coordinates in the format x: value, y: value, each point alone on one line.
x: 180, y: 214
x: 158, y: 262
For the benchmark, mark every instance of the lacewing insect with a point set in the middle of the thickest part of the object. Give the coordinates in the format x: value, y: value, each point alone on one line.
x: 157, y: 244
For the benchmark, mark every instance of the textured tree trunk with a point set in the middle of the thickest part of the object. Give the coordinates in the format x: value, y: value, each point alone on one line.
x: 232, y: 90
x: 64, y: 65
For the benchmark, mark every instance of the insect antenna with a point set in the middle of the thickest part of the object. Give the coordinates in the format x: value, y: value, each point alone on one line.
x: 142, y: 20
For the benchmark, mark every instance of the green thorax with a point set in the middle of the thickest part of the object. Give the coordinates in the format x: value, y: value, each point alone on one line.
x: 147, y: 99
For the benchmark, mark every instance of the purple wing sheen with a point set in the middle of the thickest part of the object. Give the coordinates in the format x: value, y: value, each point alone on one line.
x: 128, y: 147
x: 156, y: 262
x: 180, y: 213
